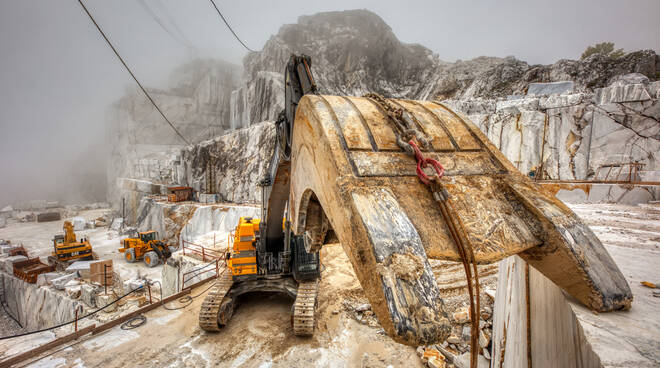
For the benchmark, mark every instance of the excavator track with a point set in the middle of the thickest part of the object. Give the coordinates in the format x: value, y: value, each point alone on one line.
x: 208, y: 313
x: 304, y: 308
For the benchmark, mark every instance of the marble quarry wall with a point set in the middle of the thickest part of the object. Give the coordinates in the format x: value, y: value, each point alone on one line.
x: 569, y: 136
x: 238, y: 158
x: 565, y: 136
x: 196, y: 101
x: 37, y: 307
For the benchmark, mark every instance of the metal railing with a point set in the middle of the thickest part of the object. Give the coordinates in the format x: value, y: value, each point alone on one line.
x: 630, y: 171
x: 213, y: 266
x: 207, y: 254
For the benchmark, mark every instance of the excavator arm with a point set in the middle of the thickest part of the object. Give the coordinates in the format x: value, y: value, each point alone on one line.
x: 340, y: 165
x: 299, y: 81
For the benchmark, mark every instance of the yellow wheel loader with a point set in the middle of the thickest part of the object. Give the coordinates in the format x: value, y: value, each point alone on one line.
x: 146, y: 247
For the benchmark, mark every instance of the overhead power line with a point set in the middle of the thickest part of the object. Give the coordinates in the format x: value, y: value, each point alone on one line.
x: 228, y: 26
x: 131, y: 73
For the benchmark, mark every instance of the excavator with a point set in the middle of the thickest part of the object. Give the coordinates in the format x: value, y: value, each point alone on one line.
x: 399, y: 182
x: 67, y: 248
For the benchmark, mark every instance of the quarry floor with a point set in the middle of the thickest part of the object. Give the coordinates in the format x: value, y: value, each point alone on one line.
x: 259, y: 334
x: 37, y: 238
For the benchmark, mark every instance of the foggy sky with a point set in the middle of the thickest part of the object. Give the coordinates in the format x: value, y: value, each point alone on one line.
x: 57, y: 76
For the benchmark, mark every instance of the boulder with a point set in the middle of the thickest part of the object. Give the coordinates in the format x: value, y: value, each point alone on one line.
x: 81, y: 267
x: 88, y: 294
x: 622, y: 93
x: 462, y: 315
x: 61, y: 282
x: 79, y: 223
x: 46, y: 278
x: 553, y: 88
x: 105, y: 299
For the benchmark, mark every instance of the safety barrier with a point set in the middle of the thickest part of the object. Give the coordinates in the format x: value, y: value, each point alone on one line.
x: 213, y: 266
x: 207, y: 254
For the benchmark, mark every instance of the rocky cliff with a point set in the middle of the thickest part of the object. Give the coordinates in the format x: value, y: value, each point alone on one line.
x: 355, y: 52
x: 575, y: 135
x: 564, y: 120
x: 197, y: 102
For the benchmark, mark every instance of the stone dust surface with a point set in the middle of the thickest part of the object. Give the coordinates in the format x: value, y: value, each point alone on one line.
x: 259, y: 334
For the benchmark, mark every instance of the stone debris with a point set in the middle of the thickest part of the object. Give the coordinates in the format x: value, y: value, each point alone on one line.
x: 462, y: 315
x: 105, y: 299
x: 73, y: 289
x: 45, y: 279
x: 116, y: 224
x: 361, y: 312
x: 88, y: 294
x: 484, y: 338
x: 61, y: 282
x: 81, y: 268
x: 453, y: 339
x: 433, y: 358
x: 363, y: 307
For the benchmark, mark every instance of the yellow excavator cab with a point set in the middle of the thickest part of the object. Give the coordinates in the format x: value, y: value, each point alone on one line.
x: 243, y: 259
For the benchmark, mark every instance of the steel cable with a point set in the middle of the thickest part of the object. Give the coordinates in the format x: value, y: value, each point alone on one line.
x: 131, y: 73
x: 228, y: 26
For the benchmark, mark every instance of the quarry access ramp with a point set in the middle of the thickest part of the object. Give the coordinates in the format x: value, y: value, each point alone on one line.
x: 348, y: 173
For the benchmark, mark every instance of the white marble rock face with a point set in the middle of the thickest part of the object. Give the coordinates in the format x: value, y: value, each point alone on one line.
x: 53, y: 307
x: 573, y: 135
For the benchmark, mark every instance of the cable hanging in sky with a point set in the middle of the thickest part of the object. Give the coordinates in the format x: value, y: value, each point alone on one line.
x: 131, y: 73
x: 228, y: 26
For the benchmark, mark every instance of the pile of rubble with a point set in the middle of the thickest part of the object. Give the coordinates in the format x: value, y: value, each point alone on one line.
x: 455, y: 351
x: 360, y: 310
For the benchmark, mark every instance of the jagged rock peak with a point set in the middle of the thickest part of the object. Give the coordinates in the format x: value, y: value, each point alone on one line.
x: 353, y: 52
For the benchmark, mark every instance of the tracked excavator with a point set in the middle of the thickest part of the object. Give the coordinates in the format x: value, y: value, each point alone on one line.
x: 398, y: 182
x: 67, y: 248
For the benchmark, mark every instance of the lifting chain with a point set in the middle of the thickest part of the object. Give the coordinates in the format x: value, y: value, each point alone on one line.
x: 406, y: 134
x: 405, y: 128
x: 460, y: 237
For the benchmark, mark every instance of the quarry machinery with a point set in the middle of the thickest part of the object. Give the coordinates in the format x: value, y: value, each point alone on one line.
x: 146, y: 246
x: 67, y: 248
x: 358, y: 167
x: 265, y: 255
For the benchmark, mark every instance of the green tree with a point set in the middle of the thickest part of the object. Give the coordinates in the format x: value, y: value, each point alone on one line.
x: 605, y: 48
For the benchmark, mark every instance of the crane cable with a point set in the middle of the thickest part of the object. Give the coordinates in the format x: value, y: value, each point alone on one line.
x: 131, y: 73
x: 228, y: 26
